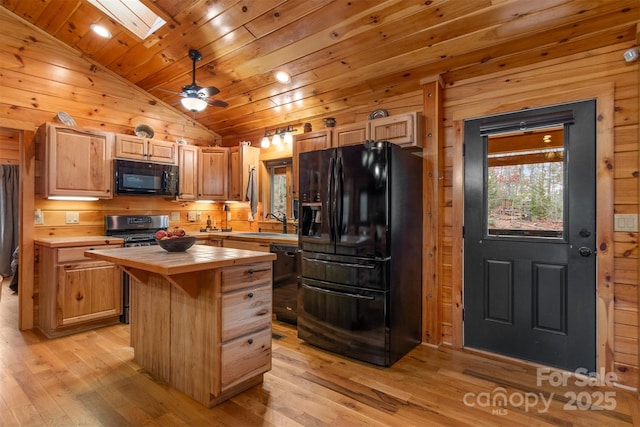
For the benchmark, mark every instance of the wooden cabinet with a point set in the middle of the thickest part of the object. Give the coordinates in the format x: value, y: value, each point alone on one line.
x: 144, y: 149
x: 241, y: 160
x: 77, y: 293
x: 404, y: 130
x: 74, y: 162
x: 307, y: 142
x: 188, y: 165
x: 245, y: 244
x: 245, y: 323
x: 213, y: 174
x: 350, y: 134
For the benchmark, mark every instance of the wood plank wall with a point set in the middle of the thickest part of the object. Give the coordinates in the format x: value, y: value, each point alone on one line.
x: 473, y: 98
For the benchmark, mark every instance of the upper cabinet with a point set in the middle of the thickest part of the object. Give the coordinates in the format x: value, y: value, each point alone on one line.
x: 74, y: 162
x: 213, y: 173
x: 144, y: 149
x: 307, y: 142
x: 401, y: 129
x: 188, y: 166
x: 241, y: 160
x: 350, y: 134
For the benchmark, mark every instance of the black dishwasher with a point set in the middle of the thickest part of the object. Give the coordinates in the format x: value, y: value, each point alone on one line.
x: 286, y: 269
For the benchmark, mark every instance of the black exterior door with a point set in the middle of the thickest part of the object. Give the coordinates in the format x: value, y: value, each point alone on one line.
x: 529, y: 238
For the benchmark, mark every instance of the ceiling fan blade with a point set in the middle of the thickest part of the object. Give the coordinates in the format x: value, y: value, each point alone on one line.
x: 208, y: 91
x: 216, y: 103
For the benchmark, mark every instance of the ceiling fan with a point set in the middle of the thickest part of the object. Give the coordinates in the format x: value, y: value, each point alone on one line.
x: 196, y: 98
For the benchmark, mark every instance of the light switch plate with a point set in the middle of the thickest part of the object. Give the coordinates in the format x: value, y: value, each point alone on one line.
x: 72, y: 217
x: 175, y: 216
x: 625, y: 222
x: 191, y: 215
x: 38, y: 217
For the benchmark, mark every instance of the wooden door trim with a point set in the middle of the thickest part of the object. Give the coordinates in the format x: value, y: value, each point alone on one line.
x: 25, y: 228
x: 604, y: 95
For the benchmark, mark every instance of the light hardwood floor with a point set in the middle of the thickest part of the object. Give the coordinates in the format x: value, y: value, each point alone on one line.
x: 89, y: 379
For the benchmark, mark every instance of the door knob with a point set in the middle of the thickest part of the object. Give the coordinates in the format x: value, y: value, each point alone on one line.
x: 584, y: 251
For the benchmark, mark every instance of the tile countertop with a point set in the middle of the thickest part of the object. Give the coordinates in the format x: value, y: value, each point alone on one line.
x: 66, y: 242
x: 247, y: 235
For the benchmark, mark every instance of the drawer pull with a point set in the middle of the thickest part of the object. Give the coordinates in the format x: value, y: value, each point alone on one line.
x: 251, y: 270
x: 79, y: 297
x: 250, y: 295
x: 250, y: 341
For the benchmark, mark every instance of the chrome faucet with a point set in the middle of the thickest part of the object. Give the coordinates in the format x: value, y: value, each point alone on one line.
x: 282, y: 219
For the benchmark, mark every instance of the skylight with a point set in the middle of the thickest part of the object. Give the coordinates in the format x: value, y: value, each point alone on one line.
x: 131, y: 14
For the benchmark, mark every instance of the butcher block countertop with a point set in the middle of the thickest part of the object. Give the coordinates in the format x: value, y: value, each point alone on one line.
x: 67, y: 242
x: 176, y: 267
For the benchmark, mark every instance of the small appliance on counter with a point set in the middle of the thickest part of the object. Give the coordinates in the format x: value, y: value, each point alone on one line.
x: 136, y: 230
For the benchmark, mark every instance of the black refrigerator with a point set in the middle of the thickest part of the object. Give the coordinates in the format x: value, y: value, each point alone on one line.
x: 360, y: 234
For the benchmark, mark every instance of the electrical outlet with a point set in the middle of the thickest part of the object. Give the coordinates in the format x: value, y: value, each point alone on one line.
x: 38, y: 217
x: 72, y: 218
x: 198, y: 216
x: 175, y: 216
x: 191, y: 216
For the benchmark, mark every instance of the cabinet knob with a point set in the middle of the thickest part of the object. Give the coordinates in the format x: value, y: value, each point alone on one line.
x: 250, y: 341
x: 250, y: 271
x: 250, y: 295
x: 79, y: 297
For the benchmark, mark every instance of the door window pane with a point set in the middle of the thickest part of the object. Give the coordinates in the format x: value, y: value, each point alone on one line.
x: 525, y: 184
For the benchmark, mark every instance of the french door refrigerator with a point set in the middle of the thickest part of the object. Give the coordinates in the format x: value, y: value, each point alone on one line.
x: 360, y: 234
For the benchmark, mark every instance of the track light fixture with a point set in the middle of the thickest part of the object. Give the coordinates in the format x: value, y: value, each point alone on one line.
x: 277, y: 137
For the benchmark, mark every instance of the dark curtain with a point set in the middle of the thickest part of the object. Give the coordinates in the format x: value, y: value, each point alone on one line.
x: 9, y: 215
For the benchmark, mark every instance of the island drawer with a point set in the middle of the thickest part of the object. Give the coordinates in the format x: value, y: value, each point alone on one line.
x: 245, y: 311
x: 77, y: 253
x: 245, y: 357
x: 242, y: 276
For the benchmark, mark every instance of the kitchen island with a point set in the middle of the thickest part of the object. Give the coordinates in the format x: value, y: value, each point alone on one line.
x: 200, y: 319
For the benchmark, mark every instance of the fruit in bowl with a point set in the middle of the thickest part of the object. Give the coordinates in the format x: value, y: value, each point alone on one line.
x: 174, y: 240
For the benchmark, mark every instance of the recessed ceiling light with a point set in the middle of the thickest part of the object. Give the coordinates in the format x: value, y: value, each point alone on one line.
x: 283, y: 76
x: 101, y: 31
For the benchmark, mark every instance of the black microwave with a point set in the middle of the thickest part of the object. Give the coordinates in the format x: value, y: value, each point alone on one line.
x: 145, y: 179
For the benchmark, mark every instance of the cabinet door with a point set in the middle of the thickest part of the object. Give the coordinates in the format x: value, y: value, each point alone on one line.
x: 162, y: 151
x: 131, y: 147
x: 402, y: 129
x: 235, y: 174
x: 213, y: 165
x: 241, y: 160
x: 307, y: 142
x: 78, y: 163
x: 88, y: 292
x: 351, y: 134
x: 188, y: 164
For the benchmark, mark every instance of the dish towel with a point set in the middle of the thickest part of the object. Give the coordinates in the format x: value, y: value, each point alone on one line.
x: 252, y: 192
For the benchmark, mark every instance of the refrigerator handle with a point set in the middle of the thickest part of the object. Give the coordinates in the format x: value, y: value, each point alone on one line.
x: 330, y: 204
x: 339, y: 194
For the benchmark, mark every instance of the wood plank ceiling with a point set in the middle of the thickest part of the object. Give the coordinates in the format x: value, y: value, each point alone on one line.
x: 341, y: 54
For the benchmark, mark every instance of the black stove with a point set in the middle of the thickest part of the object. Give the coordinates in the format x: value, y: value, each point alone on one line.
x: 136, y: 230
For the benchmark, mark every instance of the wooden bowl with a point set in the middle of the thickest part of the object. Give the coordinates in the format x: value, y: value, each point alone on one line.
x: 177, y: 244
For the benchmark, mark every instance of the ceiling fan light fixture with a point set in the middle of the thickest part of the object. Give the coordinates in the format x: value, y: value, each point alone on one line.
x: 194, y: 104
x: 282, y: 76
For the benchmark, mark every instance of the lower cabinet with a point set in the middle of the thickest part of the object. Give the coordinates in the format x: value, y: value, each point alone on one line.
x: 76, y: 293
x: 211, y: 346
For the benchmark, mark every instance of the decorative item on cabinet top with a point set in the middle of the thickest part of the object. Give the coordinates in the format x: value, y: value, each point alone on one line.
x: 65, y: 119
x: 144, y: 131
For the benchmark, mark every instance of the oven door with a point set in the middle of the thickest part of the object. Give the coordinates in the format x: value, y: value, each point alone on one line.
x: 346, y: 320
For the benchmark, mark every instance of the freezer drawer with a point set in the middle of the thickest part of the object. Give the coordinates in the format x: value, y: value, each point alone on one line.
x: 360, y: 272
x: 345, y: 320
